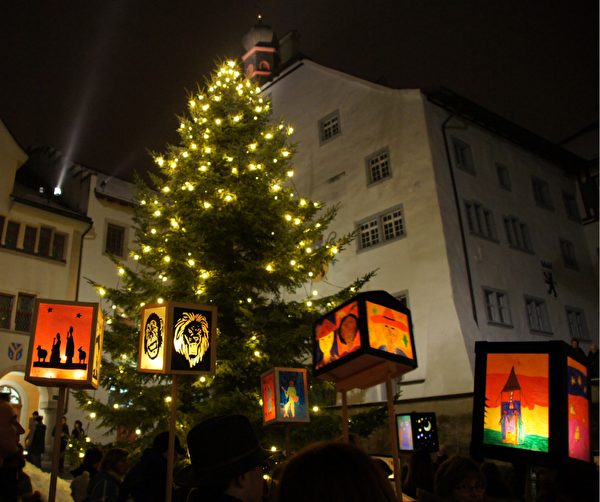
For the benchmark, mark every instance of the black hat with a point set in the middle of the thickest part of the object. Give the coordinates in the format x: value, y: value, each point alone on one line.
x: 221, y: 448
x: 161, y: 443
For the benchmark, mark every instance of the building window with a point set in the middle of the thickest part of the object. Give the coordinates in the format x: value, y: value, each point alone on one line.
x: 577, y: 325
x: 480, y: 220
x: 571, y: 206
x: 329, y: 127
x: 12, y: 234
x: 463, y: 158
x: 497, y: 307
x: 115, y: 240
x: 381, y: 228
x: 45, y: 240
x: 2, y: 221
x: 378, y: 166
x: 537, y: 314
x: 541, y: 193
x: 58, y: 246
x: 6, y: 306
x: 517, y: 234
x: 24, y: 312
x: 503, y: 177
x: 29, y: 239
x: 568, y: 253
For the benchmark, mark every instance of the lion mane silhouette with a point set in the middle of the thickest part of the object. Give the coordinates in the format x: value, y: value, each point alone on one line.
x: 191, y: 337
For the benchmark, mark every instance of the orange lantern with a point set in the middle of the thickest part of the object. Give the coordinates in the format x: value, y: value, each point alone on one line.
x: 65, y: 344
x: 285, y: 396
x: 178, y: 338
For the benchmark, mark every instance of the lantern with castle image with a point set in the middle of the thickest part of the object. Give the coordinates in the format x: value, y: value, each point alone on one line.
x: 178, y: 338
x: 65, y: 347
x: 531, y: 403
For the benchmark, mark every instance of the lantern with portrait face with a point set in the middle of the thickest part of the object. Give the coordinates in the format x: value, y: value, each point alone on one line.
x: 357, y: 344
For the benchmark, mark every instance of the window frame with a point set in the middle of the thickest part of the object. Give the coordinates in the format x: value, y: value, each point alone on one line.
x: 567, y: 250
x: 494, y: 311
x: 464, y: 160
x: 541, y: 193
x: 503, y: 176
x: 42, y: 240
x: 11, y: 224
x: 584, y: 334
x: 480, y: 220
x: 321, y: 130
x: 11, y: 297
x: 517, y: 234
x: 380, y: 226
x: 63, y: 246
x: 369, y: 169
x: 24, y: 313
x: 571, y: 206
x: 27, y: 239
x: 111, y: 223
x: 541, y: 312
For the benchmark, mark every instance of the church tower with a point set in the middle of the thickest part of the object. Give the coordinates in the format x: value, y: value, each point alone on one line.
x: 261, y: 58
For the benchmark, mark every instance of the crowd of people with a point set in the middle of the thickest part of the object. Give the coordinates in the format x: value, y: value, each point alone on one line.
x: 228, y: 464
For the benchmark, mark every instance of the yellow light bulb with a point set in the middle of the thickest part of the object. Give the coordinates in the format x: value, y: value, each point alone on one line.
x: 185, y: 154
x: 207, y: 150
x: 168, y: 399
x: 309, y: 303
x: 290, y: 173
x: 160, y: 161
x: 236, y: 119
x: 288, y: 217
x: 101, y: 292
x: 121, y: 271
x: 269, y: 268
x: 146, y: 248
x: 156, y: 213
x: 285, y: 153
x: 166, y: 189
x: 136, y: 256
x: 206, y: 205
x: 160, y: 300
x: 218, y: 121
x: 205, y: 107
x: 203, y: 379
x: 92, y: 415
x: 204, y: 275
x: 194, y: 146
x: 309, y: 250
x: 302, y: 202
x: 315, y: 408
x: 228, y: 198
x: 253, y: 146
x: 192, y: 104
x: 269, y: 135
x: 293, y: 262
x: 334, y: 250
x: 256, y: 353
x: 167, y: 259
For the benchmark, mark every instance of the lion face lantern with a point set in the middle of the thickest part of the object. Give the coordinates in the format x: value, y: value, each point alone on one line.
x: 188, y: 339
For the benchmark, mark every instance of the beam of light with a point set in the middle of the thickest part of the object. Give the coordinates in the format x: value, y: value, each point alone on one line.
x: 114, y: 15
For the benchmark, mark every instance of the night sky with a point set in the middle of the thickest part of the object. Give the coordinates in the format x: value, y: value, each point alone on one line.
x: 102, y: 81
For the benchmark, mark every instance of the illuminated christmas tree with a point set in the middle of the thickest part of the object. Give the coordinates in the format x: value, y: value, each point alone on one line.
x: 224, y: 227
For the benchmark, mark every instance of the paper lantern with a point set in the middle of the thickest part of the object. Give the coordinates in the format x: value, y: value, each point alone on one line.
x: 362, y: 340
x: 65, y: 347
x: 285, y: 396
x: 531, y: 403
x: 417, y: 431
x: 178, y: 338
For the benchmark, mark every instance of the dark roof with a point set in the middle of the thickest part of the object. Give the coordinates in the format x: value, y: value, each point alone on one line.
x: 464, y: 108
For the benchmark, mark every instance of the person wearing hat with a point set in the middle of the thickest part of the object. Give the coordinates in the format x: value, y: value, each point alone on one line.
x: 147, y: 480
x: 227, y: 461
x: 392, y: 329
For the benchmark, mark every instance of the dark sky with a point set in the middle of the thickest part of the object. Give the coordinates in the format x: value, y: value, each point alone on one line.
x: 102, y: 80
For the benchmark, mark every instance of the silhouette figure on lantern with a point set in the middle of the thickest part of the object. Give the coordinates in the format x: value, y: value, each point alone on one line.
x: 191, y: 337
x: 55, y: 354
x: 153, y: 335
x: 327, y: 351
x: 70, y: 350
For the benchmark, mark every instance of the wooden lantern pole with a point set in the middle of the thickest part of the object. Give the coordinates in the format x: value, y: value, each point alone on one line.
x: 288, y: 448
x: 60, y: 410
x: 393, y: 438
x: 171, y: 450
x: 345, y: 416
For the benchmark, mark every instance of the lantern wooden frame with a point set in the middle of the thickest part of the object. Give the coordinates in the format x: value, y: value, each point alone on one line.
x: 168, y: 313
x: 275, y: 376
x: 562, y: 361
x: 40, y: 359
